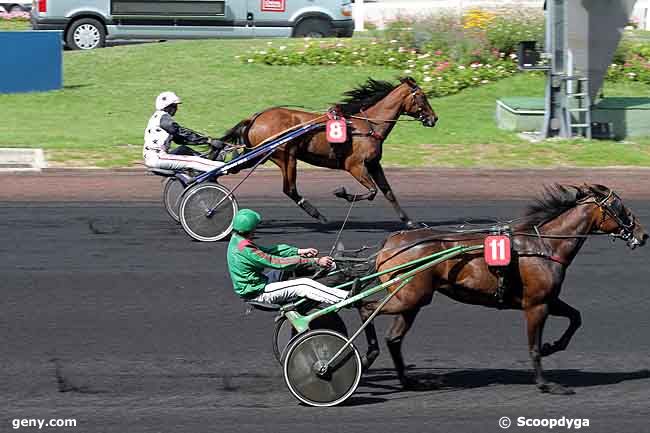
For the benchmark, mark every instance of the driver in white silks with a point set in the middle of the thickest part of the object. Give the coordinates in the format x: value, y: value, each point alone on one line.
x: 162, y: 129
x: 247, y: 262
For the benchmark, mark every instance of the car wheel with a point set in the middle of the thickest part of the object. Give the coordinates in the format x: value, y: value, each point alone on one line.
x: 313, y: 28
x: 16, y: 8
x: 85, y: 34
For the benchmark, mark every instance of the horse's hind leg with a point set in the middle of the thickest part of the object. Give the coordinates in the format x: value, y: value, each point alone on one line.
x: 360, y: 172
x: 394, y: 339
x: 377, y: 173
x: 287, y: 164
x: 371, y: 337
x: 535, y: 319
x: 562, y: 309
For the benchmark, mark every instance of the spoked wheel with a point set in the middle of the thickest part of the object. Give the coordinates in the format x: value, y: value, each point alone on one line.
x: 283, y: 332
x: 207, y: 212
x: 305, y: 360
x: 172, y: 194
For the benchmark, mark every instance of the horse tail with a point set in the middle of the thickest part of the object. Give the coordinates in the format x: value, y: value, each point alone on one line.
x: 238, y: 134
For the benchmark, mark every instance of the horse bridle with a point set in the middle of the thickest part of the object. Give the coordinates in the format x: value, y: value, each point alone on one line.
x: 420, y: 111
x: 606, y: 205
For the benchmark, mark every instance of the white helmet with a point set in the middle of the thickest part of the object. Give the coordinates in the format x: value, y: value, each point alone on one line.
x: 165, y: 99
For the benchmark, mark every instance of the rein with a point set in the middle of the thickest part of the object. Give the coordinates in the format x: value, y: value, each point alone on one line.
x: 445, y: 236
x: 376, y: 120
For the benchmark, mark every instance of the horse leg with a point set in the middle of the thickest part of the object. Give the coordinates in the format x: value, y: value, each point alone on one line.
x: 394, y: 339
x: 562, y: 309
x: 371, y: 337
x: 535, y: 320
x: 287, y: 166
x: 360, y: 172
x: 377, y: 173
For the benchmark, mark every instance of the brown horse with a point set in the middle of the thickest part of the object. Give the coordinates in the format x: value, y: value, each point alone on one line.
x: 544, y: 243
x: 371, y: 111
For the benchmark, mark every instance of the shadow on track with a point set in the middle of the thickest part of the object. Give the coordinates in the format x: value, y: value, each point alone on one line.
x: 478, y: 378
x: 272, y: 226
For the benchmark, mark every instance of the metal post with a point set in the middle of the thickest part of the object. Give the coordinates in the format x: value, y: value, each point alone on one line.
x: 359, y: 16
x: 554, y: 119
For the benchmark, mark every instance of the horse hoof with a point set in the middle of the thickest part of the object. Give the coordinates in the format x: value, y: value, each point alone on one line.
x: 555, y: 389
x: 546, y: 350
x: 340, y: 192
x: 369, y: 359
x: 411, y: 225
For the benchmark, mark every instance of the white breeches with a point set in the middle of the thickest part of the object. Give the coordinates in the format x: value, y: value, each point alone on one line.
x: 169, y: 161
x: 283, y: 291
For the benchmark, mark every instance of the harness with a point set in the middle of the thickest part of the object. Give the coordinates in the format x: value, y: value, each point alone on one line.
x: 503, y: 273
x: 371, y: 132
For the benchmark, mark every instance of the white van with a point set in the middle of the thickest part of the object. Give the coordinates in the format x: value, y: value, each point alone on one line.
x: 86, y: 24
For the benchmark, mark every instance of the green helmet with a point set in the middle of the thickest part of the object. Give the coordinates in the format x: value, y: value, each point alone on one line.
x: 246, y: 220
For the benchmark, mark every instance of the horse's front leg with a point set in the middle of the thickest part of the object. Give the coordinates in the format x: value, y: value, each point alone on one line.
x: 535, y: 319
x: 287, y: 164
x: 377, y: 173
x: 360, y: 172
x: 560, y: 308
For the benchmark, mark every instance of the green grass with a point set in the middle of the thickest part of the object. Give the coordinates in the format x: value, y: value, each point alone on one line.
x: 99, y: 116
x: 14, y: 25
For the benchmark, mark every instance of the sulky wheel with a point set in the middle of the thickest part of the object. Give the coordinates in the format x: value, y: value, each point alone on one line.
x: 283, y: 332
x: 305, y: 373
x: 207, y: 211
x: 172, y: 194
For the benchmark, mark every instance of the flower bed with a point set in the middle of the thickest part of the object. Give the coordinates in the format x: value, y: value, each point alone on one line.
x: 436, y: 72
x: 446, y: 53
x: 632, y: 63
x: 14, y: 16
x: 14, y: 21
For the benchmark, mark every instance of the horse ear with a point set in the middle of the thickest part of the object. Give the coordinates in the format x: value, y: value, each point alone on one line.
x: 408, y: 80
x: 579, y: 189
x: 598, y: 189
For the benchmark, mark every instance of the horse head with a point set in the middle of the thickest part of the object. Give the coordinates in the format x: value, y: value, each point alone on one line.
x: 417, y: 105
x: 615, y: 218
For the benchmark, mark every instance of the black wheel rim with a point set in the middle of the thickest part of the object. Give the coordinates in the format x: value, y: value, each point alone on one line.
x: 200, y: 220
x: 284, y: 333
x: 173, y: 192
x: 304, y: 358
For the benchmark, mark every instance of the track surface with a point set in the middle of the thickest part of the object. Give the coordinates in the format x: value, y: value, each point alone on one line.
x: 113, y: 303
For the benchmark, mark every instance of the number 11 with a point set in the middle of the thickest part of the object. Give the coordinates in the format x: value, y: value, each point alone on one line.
x: 498, y: 249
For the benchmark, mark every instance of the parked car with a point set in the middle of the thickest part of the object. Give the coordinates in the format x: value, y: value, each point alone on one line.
x: 16, y: 7
x: 87, y: 24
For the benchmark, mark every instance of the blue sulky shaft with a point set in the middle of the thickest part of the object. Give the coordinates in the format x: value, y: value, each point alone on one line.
x: 256, y: 152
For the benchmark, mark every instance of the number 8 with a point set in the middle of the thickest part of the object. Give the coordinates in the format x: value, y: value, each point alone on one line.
x: 336, y: 131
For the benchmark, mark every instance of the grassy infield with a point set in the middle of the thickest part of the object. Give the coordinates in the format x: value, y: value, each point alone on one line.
x: 98, y: 118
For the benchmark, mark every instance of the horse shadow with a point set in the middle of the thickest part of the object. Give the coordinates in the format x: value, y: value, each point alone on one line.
x: 273, y: 226
x: 443, y: 379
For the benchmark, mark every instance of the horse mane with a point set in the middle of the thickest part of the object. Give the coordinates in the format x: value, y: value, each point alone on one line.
x: 557, y: 199
x: 364, y: 96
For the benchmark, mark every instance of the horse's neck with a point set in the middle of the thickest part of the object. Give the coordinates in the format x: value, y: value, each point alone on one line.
x: 389, y: 108
x: 578, y: 221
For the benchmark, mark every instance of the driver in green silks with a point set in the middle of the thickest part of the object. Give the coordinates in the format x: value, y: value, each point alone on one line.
x: 247, y: 262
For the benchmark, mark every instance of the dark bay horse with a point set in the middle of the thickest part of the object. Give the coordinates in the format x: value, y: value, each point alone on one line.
x: 544, y: 243
x: 375, y: 105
